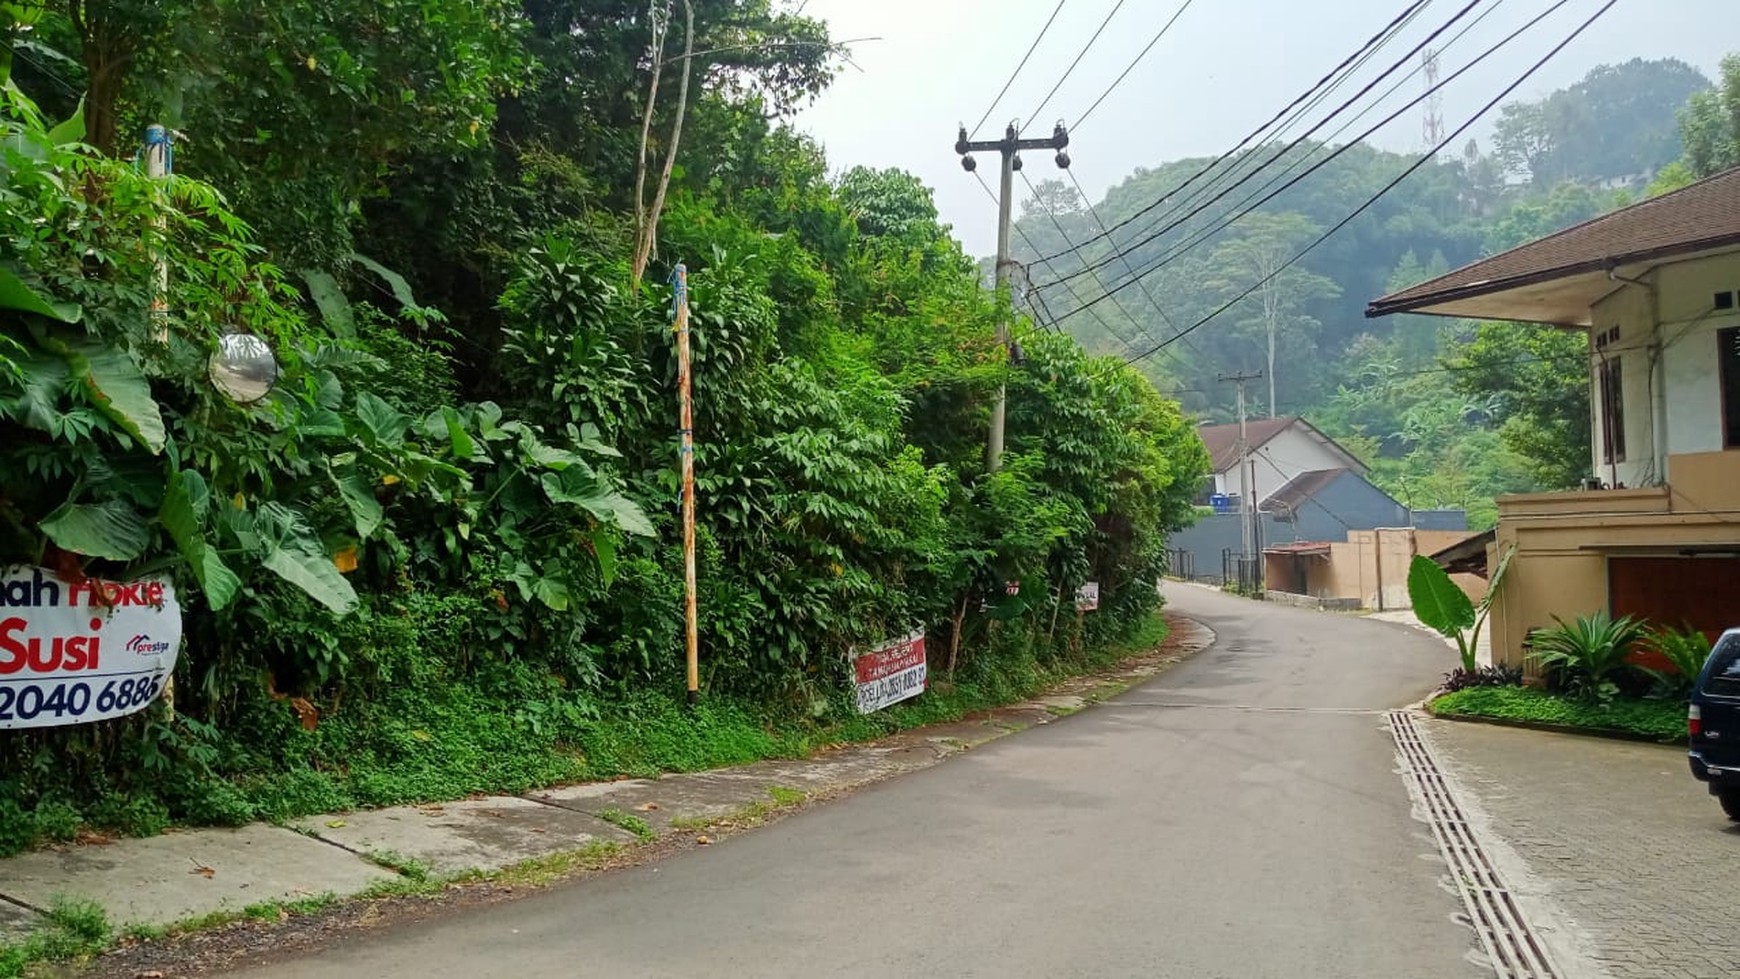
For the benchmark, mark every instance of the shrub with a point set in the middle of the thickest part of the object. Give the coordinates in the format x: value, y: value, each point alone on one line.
x: 1482, y: 676
x: 1657, y: 720
x: 1686, y: 651
x: 1584, y: 657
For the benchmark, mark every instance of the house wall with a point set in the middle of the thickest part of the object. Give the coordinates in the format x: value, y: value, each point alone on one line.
x: 1631, y: 309
x: 1285, y: 456
x: 1667, y: 352
x: 1439, y: 519
x: 1213, y: 534
x: 1348, y: 503
x: 1563, y: 542
x: 1689, y: 322
x: 1370, y: 566
x: 1342, y: 576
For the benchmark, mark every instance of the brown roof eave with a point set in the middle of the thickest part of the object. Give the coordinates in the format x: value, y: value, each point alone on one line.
x: 1388, y: 306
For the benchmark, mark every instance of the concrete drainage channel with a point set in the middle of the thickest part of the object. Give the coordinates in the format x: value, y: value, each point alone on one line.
x: 1512, y: 948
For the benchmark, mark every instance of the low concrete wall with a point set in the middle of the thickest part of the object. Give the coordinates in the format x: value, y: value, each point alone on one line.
x: 1306, y: 601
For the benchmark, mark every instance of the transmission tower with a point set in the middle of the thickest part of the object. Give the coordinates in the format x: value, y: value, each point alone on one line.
x: 1433, y: 124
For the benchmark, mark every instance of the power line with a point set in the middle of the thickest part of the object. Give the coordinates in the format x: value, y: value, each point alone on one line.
x: 1218, y: 180
x: 1132, y: 65
x: 1508, y: 89
x: 1259, y: 196
x: 1072, y: 65
x: 1087, y: 203
x: 1023, y: 63
x: 1055, y: 223
x: 1175, y: 223
x: 1253, y: 134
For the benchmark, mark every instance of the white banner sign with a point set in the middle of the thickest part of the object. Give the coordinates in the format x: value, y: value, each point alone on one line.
x: 72, y: 652
x: 890, y: 673
x: 1087, y: 597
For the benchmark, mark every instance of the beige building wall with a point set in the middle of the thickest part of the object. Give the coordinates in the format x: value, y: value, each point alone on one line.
x: 1370, y: 566
x: 1563, y: 542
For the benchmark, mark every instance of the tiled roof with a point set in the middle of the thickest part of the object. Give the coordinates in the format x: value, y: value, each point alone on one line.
x: 1700, y: 217
x: 1301, y: 488
x: 1300, y: 547
x: 1223, y: 440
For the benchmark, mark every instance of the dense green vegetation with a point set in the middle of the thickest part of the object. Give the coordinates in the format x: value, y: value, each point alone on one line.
x: 1657, y: 720
x: 1448, y: 413
x: 455, y: 223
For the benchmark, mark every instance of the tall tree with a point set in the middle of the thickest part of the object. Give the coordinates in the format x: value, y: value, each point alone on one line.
x: 1710, y: 124
x: 1265, y: 243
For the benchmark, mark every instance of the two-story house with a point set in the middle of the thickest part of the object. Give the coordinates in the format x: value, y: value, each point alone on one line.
x: 1656, y: 531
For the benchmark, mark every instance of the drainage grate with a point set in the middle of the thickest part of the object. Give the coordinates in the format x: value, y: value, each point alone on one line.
x: 1514, y: 950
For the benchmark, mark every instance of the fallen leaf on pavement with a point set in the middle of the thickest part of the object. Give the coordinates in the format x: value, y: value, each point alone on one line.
x: 649, y: 807
x: 335, y: 824
x: 207, y: 872
x: 149, y: 974
x: 704, y: 841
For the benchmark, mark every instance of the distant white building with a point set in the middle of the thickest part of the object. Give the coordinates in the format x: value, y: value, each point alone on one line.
x: 1282, y: 450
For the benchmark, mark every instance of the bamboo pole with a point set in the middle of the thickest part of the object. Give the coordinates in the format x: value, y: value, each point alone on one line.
x: 680, y: 280
x: 158, y: 166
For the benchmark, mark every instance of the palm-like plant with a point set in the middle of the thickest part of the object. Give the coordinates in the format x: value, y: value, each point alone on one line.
x: 1582, y: 655
x: 1686, y: 651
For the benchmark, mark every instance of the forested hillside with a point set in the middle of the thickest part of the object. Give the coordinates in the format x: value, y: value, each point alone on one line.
x: 442, y: 554
x: 1449, y: 413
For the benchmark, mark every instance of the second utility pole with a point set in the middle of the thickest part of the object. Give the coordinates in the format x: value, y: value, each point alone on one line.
x: 1247, y: 506
x: 1009, y: 146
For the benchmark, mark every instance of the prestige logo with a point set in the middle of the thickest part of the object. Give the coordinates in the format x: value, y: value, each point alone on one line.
x: 143, y: 645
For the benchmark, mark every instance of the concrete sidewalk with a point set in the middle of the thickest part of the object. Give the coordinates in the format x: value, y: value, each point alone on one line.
x: 188, y: 874
x: 1613, y: 837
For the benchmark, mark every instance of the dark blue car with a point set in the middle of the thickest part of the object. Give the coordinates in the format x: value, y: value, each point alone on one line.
x: 1713, y: 723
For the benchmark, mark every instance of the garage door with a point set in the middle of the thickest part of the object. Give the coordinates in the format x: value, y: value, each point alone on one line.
x: 1703, y: 593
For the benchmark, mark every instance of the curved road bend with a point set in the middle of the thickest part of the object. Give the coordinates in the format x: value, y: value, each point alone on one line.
x: 1238, y: 816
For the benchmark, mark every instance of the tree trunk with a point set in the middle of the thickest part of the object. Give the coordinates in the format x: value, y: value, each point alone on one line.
x: 652, y: 98
x: 650, y: 234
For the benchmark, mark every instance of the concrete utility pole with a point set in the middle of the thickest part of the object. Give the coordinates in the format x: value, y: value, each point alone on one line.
x: 1247, y: 506
x: 1009, y: 146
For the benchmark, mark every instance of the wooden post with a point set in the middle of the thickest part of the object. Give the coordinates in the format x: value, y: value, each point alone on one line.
x: 680, y: 280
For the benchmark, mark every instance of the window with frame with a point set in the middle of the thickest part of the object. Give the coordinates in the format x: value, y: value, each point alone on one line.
x: 1612, y: 393
x: 1728, y: 356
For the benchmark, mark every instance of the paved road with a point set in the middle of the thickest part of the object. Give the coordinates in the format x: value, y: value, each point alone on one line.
x: 1238, y: 817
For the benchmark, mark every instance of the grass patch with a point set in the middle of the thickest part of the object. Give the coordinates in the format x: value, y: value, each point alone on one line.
x: 785, y: 795
x: 689, y: 824
x: 404, y: 866
x: 629, y: 821
x: 1657, y: 720
x: 508, y: 729
x: 71, y: 930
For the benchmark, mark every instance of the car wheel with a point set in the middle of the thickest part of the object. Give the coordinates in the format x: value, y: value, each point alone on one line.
x: 1730, y: 800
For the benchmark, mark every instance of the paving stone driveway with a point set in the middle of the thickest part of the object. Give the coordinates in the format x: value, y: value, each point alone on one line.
x: 1618, y: 836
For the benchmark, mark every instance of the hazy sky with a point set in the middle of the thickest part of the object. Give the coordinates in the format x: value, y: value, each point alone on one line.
x: 1225, y: 67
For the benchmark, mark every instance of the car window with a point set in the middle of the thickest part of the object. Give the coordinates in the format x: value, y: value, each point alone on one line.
x: 1725, y: 668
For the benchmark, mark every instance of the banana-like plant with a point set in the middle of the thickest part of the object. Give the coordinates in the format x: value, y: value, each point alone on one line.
x: 1445, y: 608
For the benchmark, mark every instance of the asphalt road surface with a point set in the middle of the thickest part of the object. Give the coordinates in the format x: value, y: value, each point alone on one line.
x: 1239, y: 816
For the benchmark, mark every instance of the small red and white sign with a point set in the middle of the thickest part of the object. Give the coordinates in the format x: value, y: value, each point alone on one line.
x: 72, y: 652
x: 891, y: 672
